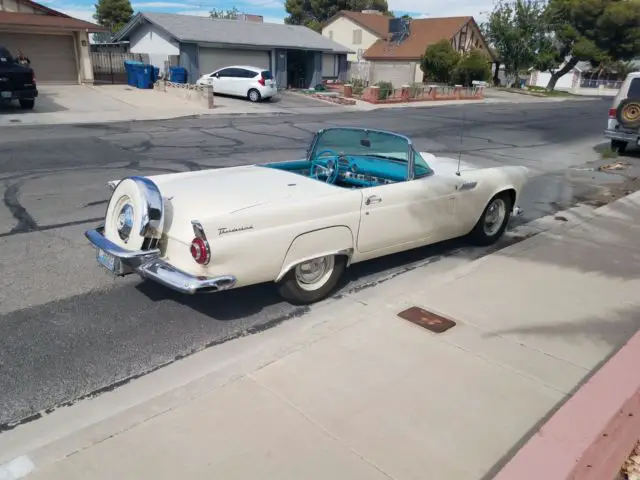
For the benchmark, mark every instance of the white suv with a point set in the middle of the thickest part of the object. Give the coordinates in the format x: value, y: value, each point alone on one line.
x: 623, y: 127
x: 253, y: 83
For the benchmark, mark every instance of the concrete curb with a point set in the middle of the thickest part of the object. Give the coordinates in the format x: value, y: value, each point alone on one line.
x: 593, y: 433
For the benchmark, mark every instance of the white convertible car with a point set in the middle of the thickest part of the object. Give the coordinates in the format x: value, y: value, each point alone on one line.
x: 358, y: 194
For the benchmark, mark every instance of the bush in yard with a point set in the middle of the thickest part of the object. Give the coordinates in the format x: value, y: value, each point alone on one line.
x: 473, y: 65
x: 358, y: 86
x: 386, y: 89
x: 439, y: 61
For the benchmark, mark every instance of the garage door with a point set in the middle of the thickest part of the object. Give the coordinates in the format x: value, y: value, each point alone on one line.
x: 397, y: 73
x: 53, y: 57
x: 211, y: 59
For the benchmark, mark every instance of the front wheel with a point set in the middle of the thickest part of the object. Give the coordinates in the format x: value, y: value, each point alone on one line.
x: 493, y: 221
x: 312, y: 280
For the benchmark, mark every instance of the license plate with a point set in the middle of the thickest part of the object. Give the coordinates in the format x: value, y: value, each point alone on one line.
x: 7, y: 94
x: 106, y: 260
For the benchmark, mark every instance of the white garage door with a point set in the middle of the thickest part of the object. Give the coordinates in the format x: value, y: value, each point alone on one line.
x: 53, y: 57
x: 398, y: 73
x: 211, y: 59
x: 329, y: 63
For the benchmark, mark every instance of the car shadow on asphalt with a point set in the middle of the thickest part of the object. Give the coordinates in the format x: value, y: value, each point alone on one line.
x: 251, y: 300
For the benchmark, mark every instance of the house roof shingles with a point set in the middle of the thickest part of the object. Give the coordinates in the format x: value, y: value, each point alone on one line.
x: 189, y: 28
x: 47, y: 21
x: 423, y: 32
x: 375, y: 22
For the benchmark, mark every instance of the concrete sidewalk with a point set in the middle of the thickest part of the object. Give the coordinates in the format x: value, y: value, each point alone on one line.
x: 351, y: 391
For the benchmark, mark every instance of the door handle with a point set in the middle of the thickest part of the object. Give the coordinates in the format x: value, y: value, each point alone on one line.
x: 372, y: 199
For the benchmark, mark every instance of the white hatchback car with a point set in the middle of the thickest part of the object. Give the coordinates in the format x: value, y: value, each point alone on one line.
x: 253, y: 83
x: 623, y: 127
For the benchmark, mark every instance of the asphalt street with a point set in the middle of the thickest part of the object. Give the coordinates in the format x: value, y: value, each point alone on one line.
x: 68, y: 329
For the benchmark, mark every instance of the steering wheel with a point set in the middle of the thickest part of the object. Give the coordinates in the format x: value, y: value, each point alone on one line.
x: 330, y: 172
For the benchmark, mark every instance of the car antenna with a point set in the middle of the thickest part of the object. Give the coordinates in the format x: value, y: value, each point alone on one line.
x: 460, y: 152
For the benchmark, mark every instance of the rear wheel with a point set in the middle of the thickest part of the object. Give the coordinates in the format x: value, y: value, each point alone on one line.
x: 618, y: 146
x: 27, y: 104
x: 254, y: 95
x: 313, y: 280
x: 493, y: 221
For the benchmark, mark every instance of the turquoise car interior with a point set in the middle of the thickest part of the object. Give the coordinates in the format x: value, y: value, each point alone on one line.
x: 357, y: 158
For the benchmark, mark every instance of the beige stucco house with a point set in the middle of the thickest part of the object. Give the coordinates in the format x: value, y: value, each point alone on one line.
x: 381, y: 59
x: 56, y: 44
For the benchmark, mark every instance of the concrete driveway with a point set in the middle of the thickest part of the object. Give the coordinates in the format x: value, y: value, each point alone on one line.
x: 70, y: 104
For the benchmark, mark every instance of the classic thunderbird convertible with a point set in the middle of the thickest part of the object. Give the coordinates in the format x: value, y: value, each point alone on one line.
x: 358, y: 194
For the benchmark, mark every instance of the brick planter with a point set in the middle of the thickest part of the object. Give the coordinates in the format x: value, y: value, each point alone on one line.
x: 428, y: 94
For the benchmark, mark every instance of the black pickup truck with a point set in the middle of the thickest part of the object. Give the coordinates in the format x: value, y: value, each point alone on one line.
x: 17, y: 82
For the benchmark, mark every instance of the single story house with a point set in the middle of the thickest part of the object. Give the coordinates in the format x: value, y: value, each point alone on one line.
x: 56, y: 44
x: 296, y: 55
x: 379, y: 57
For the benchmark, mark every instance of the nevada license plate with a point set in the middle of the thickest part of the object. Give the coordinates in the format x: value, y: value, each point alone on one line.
x: 106, y: 260
x: 7, y: 94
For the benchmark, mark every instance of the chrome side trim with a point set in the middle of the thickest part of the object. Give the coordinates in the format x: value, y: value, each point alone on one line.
x: 147, y: 264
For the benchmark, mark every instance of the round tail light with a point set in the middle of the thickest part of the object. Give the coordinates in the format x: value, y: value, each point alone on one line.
x: 200, y: 251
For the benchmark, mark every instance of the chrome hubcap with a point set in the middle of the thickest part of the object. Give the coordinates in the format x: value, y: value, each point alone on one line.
x: 314, y: 273
x: 495, y: 216
x: 124, y: 222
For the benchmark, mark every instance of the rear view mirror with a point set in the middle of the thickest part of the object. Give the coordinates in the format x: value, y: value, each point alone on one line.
x: 365, y: 142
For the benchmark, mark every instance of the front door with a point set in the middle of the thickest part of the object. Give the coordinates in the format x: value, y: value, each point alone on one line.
x: 405, y: 215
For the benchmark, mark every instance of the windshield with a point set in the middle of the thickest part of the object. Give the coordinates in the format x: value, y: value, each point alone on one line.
x: 371, y: 144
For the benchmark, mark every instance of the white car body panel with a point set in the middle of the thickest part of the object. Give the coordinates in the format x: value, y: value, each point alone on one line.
x: 273, y: 209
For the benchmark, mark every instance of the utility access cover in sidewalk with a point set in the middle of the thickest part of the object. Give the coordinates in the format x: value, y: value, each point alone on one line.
x: 428, y: 320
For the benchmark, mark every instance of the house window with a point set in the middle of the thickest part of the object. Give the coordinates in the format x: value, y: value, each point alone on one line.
x: 357, y: 37
x: 331, y: 34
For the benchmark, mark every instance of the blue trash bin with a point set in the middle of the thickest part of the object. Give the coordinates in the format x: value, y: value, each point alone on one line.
x: 144, y: 76
x: 156, y: 74
x: 178, y: 75
x: 131, y: 68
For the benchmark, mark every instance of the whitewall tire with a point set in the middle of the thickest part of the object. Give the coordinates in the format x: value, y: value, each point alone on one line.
x: 312, y: 280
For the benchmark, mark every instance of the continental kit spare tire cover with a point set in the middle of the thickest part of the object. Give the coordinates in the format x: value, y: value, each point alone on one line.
x: 628, y: 114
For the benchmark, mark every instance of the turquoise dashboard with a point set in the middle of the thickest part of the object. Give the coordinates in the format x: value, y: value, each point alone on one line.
x: 353, y: 170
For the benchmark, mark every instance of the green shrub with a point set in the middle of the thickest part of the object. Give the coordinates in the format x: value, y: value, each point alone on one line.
x: 358, y: 86
x: 473, y: 65
x: 386, y: 89
x: 439, y: 62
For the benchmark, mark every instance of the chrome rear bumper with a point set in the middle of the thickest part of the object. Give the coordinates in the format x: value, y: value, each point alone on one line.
x: 147, y: 264
x: 623, y: 136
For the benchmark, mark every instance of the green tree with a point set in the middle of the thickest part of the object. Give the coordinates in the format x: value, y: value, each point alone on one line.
x: 440, y: 61
x: 474, y: 65
x: 597, y: 31
x: 313, y: 13
x: 113, y: 14
x: 220, y: 13
x: 517, y: 31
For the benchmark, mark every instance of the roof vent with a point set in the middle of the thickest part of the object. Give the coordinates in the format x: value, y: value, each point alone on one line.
x: 372, y: 12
